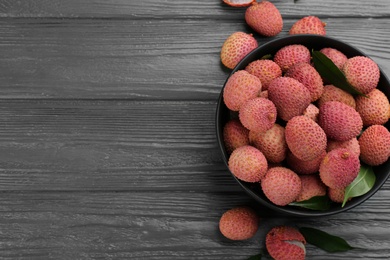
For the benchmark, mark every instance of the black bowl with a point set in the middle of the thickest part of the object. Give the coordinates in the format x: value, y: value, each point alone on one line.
x: 313, y: 42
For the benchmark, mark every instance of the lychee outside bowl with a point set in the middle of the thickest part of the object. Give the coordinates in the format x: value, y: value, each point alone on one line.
x: 313, y: 42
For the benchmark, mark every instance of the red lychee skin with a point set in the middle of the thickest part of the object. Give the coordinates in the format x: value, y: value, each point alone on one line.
x: 374, y: 109
x: 305, y: 138
x: 281, y: 185
x: 312, y: 112
x: 278, y: 246
x: 304, y: 167
x: 362, y: 73
x: 339, y: 168
x: 248, y: 164
x: 264, y: 18
x: 375, y: 145
x: 235, y: 135
x: 336, y: 195
x: 265, y: 70
x: 264, y: 94
x: 239, y: 88
x: 239, y: 3
x: 271, y: 143
x: 352, y: 145
x: 312, y: 186
x: 239, y: 223
x: 290, y: 97
x: 309, y: 77
x: 332, y: 93
x: 258, y: 114
x: 292, y: 54
x: 308, y: 25
x: 339, y: 121
x: 336, y: 56
x: 236, y: 47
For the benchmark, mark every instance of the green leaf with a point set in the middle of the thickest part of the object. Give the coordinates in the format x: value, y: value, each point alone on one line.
x: 362, y: 184
x: 314, y: 203
x: 328, y: 70
x: 325, y: 241
x: 266, y: 57
x: 255, y: 257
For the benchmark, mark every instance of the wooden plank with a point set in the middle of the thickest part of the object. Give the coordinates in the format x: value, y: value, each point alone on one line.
x: 163, y: 225
x: 139, y: 59
x: 185, y: 9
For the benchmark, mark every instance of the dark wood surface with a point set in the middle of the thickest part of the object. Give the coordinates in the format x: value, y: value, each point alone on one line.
x: 107, y: 135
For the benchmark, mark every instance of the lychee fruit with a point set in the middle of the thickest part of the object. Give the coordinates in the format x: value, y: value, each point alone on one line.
x: 258, y: 114
x: 312, y: 112
x: 308, y: 25
x: 290, y: 97
x: 281, y: 185
x: 352, y: 145
x: 264, y: 94
x: 239, y: 88
x: 265, y: 70
x: 236, y: 47
x: 375, y: 145
x: 239, y: 223
x: 285, y: 243
x: 235, y: 135
x: 305, y: 138
x: 309, y: 77
x: 373, y: 109
x: 332, y: 93
x: 339, y: 168
x: 336, y: 56
x: 362, y: 73
x: 336, y: 195
x: 271, y: 143
x: 339, y: 121
x: 248, y: 164
x: 292, y: 54
x: 239, y: 3
x: 304, y: 167
x: 312, y: 186
x: 264, y: 18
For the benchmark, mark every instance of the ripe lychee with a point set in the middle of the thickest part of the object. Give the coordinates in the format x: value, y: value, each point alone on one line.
x: 248, y: 164
x: 336, y: 56
x: 235, y: 135
x: 236, y: 47
x: 332, y: 93
x: 239, y: 223
x: 304, y: 167
x: 265, y: 70
x: 239, y: 88
x: 339, y: 121
x: 258, y: 114
x: 339, y: 168
x: 375, y: 145
x: 285, y: 243
x: 264, y: 18
x: 374, y: 108
x: 336, y: 195
x: 362, y: 73
x: 290, y: 97
x: 305, y: 138
x: 352, y: 145
x: 308, y: 25
x: 312, y: 112
x: 239, y: 3
x: 292, y: 54
x: 312, y: 186
x: 281, y: 185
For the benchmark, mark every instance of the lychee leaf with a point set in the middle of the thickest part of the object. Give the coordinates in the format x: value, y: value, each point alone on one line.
x: 324, y: 241
x: 255, y: 257
x: 266, y: 57
x: 328, y: 70
x: 362, y: 184
x: 314, y: 203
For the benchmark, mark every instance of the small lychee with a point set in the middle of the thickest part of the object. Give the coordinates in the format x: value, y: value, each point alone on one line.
x: 374, y: 108
x: 375, y: 145
x: 292, y: 54
x: 308, y: 25
x: 352, y: 145
x: 304, y: 167
x: 258, y: 114
x: 312, y: 186
x: 285, y: 243
x: 332, y: 93
x: 264, y: 18
x: 239, y: 223
x: 265, y: 70
x: 336, y: 195
x: 336, y: 56
x: 312, y: 112
x: 235, y: 135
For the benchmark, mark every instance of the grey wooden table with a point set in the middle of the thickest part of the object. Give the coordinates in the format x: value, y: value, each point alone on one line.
x: 107, y: 136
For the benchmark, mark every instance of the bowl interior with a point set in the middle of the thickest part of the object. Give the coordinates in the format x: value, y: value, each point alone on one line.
x: 313, y: 42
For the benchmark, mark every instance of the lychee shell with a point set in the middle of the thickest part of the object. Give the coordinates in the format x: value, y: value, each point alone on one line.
x: 239, y: 223
x: 279, y: 247
x: 235, y: 135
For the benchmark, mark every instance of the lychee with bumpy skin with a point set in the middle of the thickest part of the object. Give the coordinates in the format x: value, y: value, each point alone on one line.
x: 304, y: 167
x: 265, y: 70
x: 352, y: 145
x: 374, y: 109
x: 248, y: 164
x: 258, y: 114
x: 375, y: 145
x: 264, y: 18
x: 336, y: 195
x: 336, y: 56
x: 285, y: 243
x: 332, y: 93
x: 290, y: 97
x: 236, y: 47
x: 309, y: 77
x: 235, y: 135
x: 239, y: 3
x: 281, y: 185
x: 339, y: 121
x: 292, y: 54
x: 339, y: 168
x: 308, y: 25
x: 362, y: 73
x: 312, y: 112
x: 239, y: 88
x: 271, y: 143
x: 312, y: 186
x: 305, y: 138
x: 239, y: 223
